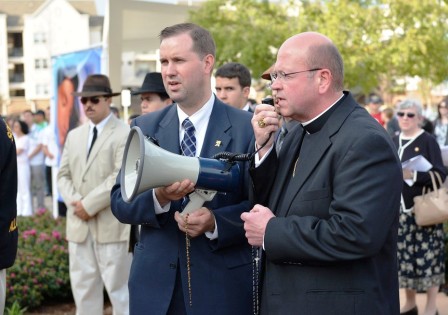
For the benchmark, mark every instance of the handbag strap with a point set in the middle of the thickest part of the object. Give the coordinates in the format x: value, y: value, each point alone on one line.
x: 434, y: 176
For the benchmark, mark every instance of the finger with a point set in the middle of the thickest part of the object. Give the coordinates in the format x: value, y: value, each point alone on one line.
x: 179, y: 218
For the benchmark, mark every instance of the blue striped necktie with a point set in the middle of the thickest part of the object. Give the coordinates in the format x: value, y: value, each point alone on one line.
x: 188, y: 147
x: 188, y: 144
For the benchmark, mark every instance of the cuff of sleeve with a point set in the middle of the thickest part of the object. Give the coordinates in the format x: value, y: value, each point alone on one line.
x: 212, y: 235
x: 257, y: 160
x: 158, y: 209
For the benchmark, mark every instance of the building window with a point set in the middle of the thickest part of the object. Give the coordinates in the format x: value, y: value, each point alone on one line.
x: 40, y: 63
x: 41, y: 89
x: 40, y: 38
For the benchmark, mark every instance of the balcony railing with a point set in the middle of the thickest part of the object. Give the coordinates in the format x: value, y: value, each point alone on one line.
x: 17, y: 78
x: 15, y: 52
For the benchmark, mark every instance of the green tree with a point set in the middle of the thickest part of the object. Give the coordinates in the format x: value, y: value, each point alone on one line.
x: 245, y: 31
x: 380, y: 41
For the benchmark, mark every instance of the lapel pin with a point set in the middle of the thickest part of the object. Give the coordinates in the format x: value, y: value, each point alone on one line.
x: 218, y: 143
x: 417, y: 149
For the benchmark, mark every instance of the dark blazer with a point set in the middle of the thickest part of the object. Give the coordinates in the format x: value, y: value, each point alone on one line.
x: 332, y: 247
x: 221, y: 273
x: 8, y: 193
x: 427, y: 146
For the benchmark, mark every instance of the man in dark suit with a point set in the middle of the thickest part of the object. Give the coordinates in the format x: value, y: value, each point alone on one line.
x: 329, y: 228
x: 213, y: 275
x: 8, y: 206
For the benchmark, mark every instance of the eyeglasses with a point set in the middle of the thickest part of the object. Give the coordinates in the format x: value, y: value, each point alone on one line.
x: 94, y: 100
x: 409, y: 115
x: 283, y: 76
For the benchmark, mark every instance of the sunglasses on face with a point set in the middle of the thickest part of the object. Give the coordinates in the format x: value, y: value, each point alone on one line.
x: 409, y: 115
x: 94, y: 100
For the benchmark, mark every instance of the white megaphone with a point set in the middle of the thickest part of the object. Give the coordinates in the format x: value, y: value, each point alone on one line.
x: 146, y: 166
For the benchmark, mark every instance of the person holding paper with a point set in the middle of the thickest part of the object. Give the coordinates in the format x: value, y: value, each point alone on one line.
x: 421, y: 263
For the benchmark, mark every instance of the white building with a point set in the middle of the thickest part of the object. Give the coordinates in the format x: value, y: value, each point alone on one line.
x: 32, y: 32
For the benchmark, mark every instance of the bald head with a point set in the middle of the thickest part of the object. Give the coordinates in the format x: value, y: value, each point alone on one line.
x: 315, y: 50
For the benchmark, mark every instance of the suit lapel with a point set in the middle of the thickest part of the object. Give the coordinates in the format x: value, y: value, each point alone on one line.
x: 104, y: 136
x: 168, y: 132
x: 216, y: 138
x: 313, y: 149
x: 286, y: 158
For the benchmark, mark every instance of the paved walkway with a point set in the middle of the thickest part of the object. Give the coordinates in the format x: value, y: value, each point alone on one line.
x: 442, y: 302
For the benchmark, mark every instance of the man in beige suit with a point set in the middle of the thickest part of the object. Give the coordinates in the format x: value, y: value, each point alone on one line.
x: 98, y: 242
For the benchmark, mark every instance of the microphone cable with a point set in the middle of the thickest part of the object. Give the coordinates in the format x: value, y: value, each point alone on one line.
x: 244, y: 157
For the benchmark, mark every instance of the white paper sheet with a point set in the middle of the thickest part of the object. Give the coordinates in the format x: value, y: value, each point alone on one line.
x: 418, y: 163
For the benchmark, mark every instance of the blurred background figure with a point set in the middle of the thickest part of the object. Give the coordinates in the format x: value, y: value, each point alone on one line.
x: 115, y: 111
x: 232, y: 85
x: 441, y: 123
x: 36, y: 124
x: 132, y: 117
x: 51, y: 151
x: 390, y: 121
x: 421, y: 250
x: 373, y: 105
x: 152, y: 93
x: 24, y: 200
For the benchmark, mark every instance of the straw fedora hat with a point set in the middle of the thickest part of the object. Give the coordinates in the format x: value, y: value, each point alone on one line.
x: 96, y: 85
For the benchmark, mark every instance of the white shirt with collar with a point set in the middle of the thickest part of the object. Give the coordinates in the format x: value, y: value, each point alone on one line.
x: 200, y: 121
x: 99, y: 129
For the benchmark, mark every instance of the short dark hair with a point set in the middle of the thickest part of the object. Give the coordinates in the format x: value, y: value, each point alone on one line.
x: 40, y: 112
x: 23, y: 126
x: 203, y: 43
x: 235, y: 70
x: 163, y: 96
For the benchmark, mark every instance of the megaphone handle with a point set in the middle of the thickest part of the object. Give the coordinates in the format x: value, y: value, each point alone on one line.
x: 197, y: 199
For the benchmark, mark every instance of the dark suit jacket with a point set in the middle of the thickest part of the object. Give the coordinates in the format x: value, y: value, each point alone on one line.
x: 427, y: 146
x: 332, y: 247
x: 8, y: 193
x: 221, y: 273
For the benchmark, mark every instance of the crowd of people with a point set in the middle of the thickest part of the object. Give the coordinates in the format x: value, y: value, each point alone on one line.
x: 320, y: 221
x: 36, y: 154
x: 421, y: 249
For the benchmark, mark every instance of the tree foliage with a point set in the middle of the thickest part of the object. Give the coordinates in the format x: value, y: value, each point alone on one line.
x: 380, y: 41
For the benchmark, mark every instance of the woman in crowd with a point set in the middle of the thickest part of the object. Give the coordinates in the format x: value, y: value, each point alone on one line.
x: 441, y: 123
x: 24, y: 202
x: 421, y: 264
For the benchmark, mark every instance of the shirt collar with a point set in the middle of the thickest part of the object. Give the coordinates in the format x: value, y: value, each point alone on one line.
x: 314, y: 125
x: 200, y: 118
x: 100, y: 126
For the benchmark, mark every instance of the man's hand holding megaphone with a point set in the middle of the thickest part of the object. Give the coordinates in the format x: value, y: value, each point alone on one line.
x: 175, y: 191
x: 199, y: 221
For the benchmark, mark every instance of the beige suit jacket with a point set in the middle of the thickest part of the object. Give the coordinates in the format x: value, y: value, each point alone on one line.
x: 91, y: 181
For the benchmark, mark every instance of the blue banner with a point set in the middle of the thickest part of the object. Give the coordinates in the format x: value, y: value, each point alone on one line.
x: 69, y: 72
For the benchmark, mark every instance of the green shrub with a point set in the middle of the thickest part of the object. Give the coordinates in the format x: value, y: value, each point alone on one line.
x: 41, y: 268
